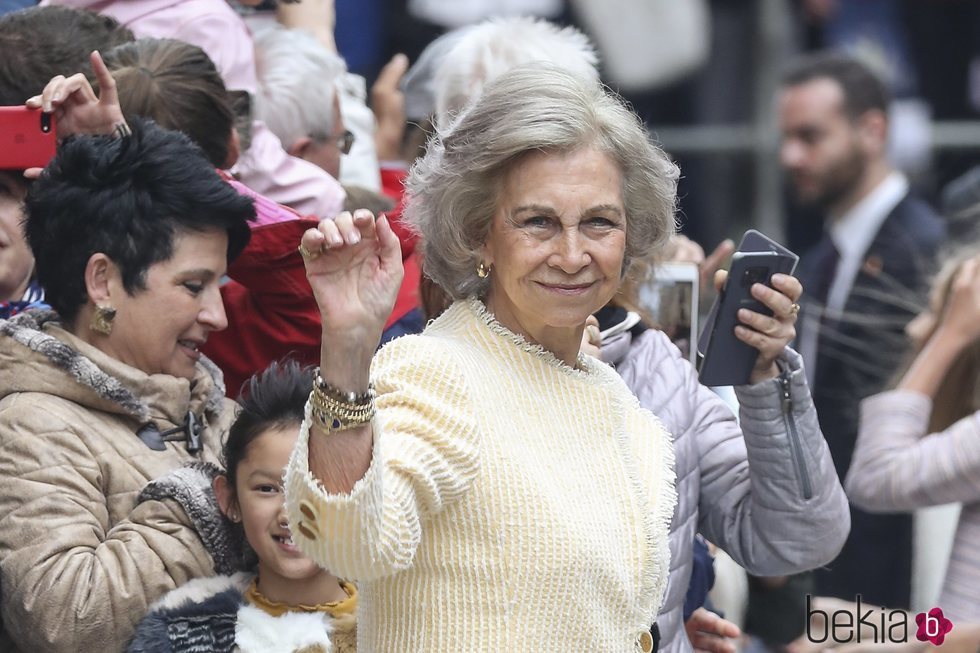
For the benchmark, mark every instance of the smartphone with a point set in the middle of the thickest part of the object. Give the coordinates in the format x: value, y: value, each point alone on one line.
x: 670, y: 296
x: 27, y: 138
x: 726, y: 359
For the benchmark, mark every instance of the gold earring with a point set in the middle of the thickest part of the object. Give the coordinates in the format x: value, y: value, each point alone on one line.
x: 102, y: 320
x: 483, y: 271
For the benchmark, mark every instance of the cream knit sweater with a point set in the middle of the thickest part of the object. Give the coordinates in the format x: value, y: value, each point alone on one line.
x: 512, y: 503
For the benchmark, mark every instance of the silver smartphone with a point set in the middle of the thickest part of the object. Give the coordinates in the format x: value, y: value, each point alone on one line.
x: 670, y: 296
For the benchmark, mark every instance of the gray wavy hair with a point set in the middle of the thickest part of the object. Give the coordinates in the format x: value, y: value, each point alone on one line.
x: 453, y: 191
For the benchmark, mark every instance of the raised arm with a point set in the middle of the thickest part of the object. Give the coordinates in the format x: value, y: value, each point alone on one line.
x: 354, y: 267
x: 356, y: 504
x: 898, y: 464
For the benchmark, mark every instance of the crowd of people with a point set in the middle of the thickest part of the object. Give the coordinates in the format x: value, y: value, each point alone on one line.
x: 281, y: 370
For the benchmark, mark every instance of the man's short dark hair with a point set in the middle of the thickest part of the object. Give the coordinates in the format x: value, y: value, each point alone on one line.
x: 863, y: 90
x: 40, y: 42
x: 127, y: 198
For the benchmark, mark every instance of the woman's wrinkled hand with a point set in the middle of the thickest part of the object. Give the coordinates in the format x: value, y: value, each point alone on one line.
x: 769, y: 334
x: 75, y: 106
x: 354, y: 266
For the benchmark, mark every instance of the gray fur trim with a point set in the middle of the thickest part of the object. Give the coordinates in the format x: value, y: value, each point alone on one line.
x: 216, y: 400
x: 27, y: 329
x: 191, y: 487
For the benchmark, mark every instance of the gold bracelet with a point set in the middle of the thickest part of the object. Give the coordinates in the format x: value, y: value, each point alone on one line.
x: 341, y: 396
x: 331, y: 407
x: 333, y: 416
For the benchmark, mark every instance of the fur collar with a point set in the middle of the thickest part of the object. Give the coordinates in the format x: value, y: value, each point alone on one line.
x: 28, y: 329
x: 293, y: 632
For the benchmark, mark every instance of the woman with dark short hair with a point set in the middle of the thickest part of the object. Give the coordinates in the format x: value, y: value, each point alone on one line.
x: 131, y: 236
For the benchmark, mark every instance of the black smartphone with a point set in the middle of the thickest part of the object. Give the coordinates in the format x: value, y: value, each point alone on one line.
x: 726, y: 359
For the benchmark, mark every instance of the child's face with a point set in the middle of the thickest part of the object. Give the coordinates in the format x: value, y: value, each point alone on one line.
x: 262, y: 504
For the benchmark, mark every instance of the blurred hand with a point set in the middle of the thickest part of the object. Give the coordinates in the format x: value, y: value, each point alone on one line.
x: 769, y: 334
x: 354, y: 267
x: 713, y: 262
x: 818, y: 11
x: 710, y: 633
x: 388, y: 104
x: 591, y: 337
x: 961, y: 320
x: 682, y: 249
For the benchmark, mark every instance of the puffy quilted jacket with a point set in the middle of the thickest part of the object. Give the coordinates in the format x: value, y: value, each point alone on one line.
x: 80, y: 560
x: 762, y: 487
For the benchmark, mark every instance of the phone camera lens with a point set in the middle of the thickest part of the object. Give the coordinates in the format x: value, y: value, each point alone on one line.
x: 754, y: 275
x: 46, y: 123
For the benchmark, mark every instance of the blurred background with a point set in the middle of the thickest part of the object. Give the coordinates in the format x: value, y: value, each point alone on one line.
x: 704, y: 73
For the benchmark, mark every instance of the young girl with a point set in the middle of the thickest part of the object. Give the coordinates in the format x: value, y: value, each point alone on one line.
x: 290, y: 604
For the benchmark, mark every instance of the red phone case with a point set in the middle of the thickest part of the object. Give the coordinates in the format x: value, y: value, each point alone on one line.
x: 27, y: 138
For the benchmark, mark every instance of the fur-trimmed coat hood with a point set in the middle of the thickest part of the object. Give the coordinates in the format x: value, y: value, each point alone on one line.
x: 81, y: 559
x: 38, y: 355
x: 210, y: 615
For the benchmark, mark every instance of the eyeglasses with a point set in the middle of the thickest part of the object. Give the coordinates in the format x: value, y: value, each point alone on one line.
x: 343, y: 142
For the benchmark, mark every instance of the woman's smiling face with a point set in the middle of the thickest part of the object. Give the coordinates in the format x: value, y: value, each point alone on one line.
x: 556, y: 244
x: 161, y: 328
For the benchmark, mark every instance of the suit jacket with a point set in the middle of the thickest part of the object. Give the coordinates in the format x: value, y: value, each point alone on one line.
x: 856, y: 357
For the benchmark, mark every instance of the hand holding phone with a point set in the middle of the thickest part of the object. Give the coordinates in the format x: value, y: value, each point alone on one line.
x: 27, y: 138
x: 75, y: 106
x: 670, y: 295
x: 750, y: 324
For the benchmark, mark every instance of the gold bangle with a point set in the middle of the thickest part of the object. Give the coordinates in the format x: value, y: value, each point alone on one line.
x: 330, y: 407
x: 332, y: 415
x: 354, y: 398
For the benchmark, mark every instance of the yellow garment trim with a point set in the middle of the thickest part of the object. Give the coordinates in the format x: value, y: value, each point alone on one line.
x: 335, y: 609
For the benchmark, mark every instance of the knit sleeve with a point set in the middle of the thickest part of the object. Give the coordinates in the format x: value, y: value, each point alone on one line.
x: 899, y: 466
x: 425, y: 457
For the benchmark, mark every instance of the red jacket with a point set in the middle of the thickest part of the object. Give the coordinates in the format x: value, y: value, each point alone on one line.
x: 271, y: 310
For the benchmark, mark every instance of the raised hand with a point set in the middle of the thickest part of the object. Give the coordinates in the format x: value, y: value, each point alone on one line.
x: 960, y: 322
x: 769, y: 334
x: 681, y: 249
x: 388, y: 104
x: 75, y: 106
x: 354, y: 267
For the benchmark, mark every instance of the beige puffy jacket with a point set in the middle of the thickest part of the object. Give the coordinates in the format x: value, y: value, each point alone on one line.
x: 80, y: 561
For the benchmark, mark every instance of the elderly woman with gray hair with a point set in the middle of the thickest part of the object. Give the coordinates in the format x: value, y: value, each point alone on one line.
x: 488, y: 487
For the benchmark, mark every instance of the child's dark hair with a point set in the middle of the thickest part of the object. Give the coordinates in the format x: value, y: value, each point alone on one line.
x: 273, y: 398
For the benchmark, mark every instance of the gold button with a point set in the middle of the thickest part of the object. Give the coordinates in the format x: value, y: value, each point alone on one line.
x: 306, y: 508
x: 306, y: 531
x: 646, y: 641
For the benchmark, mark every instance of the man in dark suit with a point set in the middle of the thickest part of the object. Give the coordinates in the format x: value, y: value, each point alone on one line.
x: 863, y: 281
